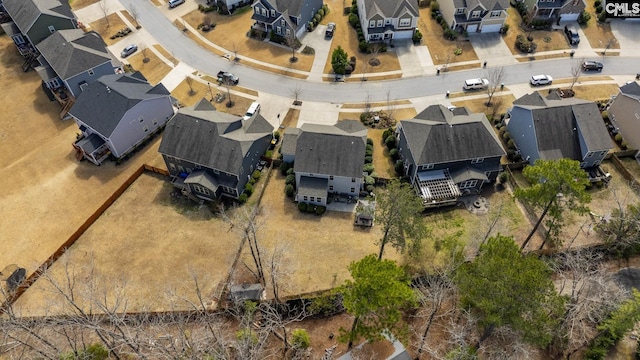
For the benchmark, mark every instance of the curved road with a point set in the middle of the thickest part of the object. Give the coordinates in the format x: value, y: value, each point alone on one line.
x: 195, y: 56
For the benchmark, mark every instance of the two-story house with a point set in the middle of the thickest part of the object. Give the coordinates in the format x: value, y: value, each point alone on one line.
x: 554, y: 128
x: 116, y: 114
x: 284, y: 17
x: 555, y: 10
x: 327, y: 159
x: 211, y: 154
x: 34, y: 20
x: 384, y: 20
x: 624, y: 114
x: 475, y: 15
x: 448, y: 153
x: 71, y: 59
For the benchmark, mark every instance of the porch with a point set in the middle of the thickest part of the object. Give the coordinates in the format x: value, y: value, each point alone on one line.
x: 436, y: 188
x: 92, y: 148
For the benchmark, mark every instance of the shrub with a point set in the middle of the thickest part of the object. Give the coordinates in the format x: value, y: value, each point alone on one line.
x: 256, y: 174
x: 598, y: 9
x: 302, y: 207
x: 399, y: 167
x: 248, y: 189
x: 450, y: 34
x: 276, y: 135
x: 321, y: 12
x: 363, y: 47
x: 93, y: 352
x: 624, y: 145
x: 289, y: 190
x: 291, y: 179
x: 243, y: 198
x: 368, y: 152
x: 300, y: 339
x: 368, y: 159
x: 326, y: 305
x: 348, y: 69
x: 369, y: 180
x: 325, y: 8
x: 503, y: 177
x: 434, y: 6
x: 320, y: 209
x: 390, y: 141
x: 506, y: 135
x: 394, y: 154
x: 290, y: 171
x: 511, y: 144
x: 605, y: 115
x: 524, y: 45
x: 504, y: 29
x: 370, y: 141
x: 252, y: 181
x: 597, y: 3
x: 247, y: 336
x: 584, y: 18
x: 618, y: 138
x: 284, y: 167
x: 602, y: 17
x: 457, y: 51
x: 388, y: 132
x: 369, y: 147
x: 368, y: 168
x: 353, y: 20
x: 417, y: 36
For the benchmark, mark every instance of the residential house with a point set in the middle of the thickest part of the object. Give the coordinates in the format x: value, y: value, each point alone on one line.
x: 554, y: 128
x: 448, y: 153
x: 117, y: 113
x: 385, y: 20
x: 34, y: 20
x: 71, y: 59
x: 327, y: 160
x: 555, y: 10
x: 624, y: 114
x: 475, y: 15
x: 284, y: 17
x: 211, y: 154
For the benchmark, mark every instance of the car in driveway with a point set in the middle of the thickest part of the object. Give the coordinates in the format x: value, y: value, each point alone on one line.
x: 591, y: 66
x: 538, y: 80
x: 331, y: 28
x: 572, y: 34
x: 475, y: 84
x: 130, y: 49
x: 174, y: 3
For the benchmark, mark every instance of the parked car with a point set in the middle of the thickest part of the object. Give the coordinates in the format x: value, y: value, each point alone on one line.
x: 591, y: 66
x: 252, y: 110
x: 227, y: 78
x: 130, y: 49
x: 174, y: 3
x: 572, y: 34
x: 331, y: 28
x: 475, y: 84
x: 537, y: 80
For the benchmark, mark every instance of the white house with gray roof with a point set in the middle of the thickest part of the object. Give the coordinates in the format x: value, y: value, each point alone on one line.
x: 34, y: 20
x: 211, y: 154
x: 327, y: 160
x: 117, y: 113
x: 552, y: 128
x: 555, y: 10
x: 475, y: 15
x: 624, y: 114
x: 448, y: 153
x: 71, y: 59
x: 384, y: 20
x: 284, y: 17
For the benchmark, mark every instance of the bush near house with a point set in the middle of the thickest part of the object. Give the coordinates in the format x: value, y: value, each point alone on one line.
x: 524, y: 45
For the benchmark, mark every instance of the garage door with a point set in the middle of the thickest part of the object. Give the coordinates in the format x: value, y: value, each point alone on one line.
x: 491, y: 28
x: 403, y: 34
x: 569, y: 17
x: 472, y: 28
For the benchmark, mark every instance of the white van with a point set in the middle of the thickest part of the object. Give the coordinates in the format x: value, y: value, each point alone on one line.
x: 174, y: 3
x: 476, y: 84
x: 253, y: 109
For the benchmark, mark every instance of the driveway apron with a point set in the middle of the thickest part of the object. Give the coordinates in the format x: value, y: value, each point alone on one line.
x: 492, y: 49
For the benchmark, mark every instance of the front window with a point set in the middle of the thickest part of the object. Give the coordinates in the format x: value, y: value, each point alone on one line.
x: 379, y: 23
x: 460, y: 11
x: 282, y: 22
x: 475, y: 14
x: 52, y: 29
x: 405, y: 22
x: 372, y: 23
x: 427, y: 167
x: 288, y: 32
x: 264, y: 12
x: 90, y: 71
x: 477, y: 161
x: 273, y: 13
x: 468, y: 184
x: 353, y: 179
x: 496, y: 13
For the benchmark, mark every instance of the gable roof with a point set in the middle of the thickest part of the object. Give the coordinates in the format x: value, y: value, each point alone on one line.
x: 558, y: 122
x: 389, y: 8
x: 631, y: 89
x: 330, y: 150
x: 210, y: 138
x: 105, y: 101
x: 71, y: 52
x: 294, y: 7
x: 489, y: 5
x: 25, y: 12
x: 438, y: 135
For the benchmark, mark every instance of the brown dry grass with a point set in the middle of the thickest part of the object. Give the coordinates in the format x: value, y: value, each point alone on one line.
x: 159, y: 2
x: 166, y: 54
x: 558, y: 40
x: 346, y: 37
x: 79, y: 4
x: 591, y: 92
x: 154, y: 70
x: 178, y: 23
x: 234, y: 88
x: 105, y: 29
x: 441, y: 49
x: 278, y: 71
x: 128, y: 16
x: 590, y: 78
x: 200, y: 90
x: 478, y: 105
x: 598, y: 34
x: 543, y: 57
x: 375, y: 104
x: 382, y: 162
x: 290, y: 119
x: 462, y: 67
x: 231, y: 34
x: 369, y: 77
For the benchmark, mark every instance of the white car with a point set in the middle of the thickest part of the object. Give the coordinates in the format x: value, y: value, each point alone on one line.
x: 476, y: 84
x: 174, y: 3
x: 537, y: 80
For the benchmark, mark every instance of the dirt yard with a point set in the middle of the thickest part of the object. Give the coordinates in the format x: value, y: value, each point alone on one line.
x: 154, y: 70
x: 441, y: 49
x: 107, y: 27
x: 546, y: 40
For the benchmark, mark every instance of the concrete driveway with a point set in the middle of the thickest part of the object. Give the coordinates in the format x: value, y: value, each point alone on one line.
x: 414, y: 60
x: 316, y: 40
x: 626, y: 31
x: 492, y: 49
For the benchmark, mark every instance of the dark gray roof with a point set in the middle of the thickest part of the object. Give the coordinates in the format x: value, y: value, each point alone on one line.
x: 558, y: 123
x: 632, y: 89
x: 105, y: 101
x: 467, y: 173
x: 210, y: 138
x: 25, y: 12
x: 71, y: 52
x: 293, y: 7
x: 312, y: 186
x: 289, y: 141
x: 389, y: 8
x: 459, y: 137
x: 246, y: 292
x: 329, y: 150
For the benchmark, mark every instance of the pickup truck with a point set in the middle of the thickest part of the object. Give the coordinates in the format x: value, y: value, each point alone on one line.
x: 227, y: 78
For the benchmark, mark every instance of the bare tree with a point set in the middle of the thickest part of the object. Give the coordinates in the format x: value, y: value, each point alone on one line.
x: 434, y: 290
x: 279, y: 269
x: 296, y: 92
x: 496, y: 77
x: 135, y: 14
x: 189, y: 81
x: 610, y: 43
x: 145, y: 54
x: 235, y: 52
x: 245, y: 222
x: 105, y: 11
x: 292, y: 42
x: 391, y: 108
x: 576, y: 69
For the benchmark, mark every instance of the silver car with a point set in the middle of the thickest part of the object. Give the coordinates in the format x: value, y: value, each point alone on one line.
x: 130, y: 49
x: 537, y: 80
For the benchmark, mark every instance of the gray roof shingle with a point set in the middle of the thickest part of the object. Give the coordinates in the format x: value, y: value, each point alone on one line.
x: 105, y: 101
x: 25, y: 12
x: 389, y: 8
x: 71, y: 52
x: 213, y: 139
x: 449, y: 137
x: 632, y: 89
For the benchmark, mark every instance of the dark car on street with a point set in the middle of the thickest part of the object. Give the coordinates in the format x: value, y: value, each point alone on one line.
x: 591, y: 66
